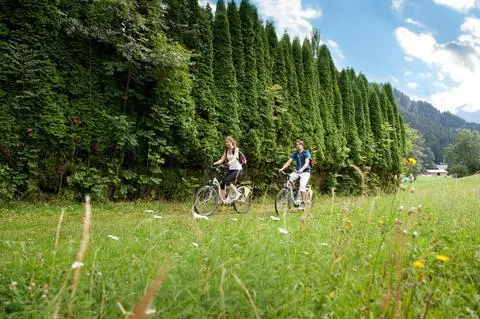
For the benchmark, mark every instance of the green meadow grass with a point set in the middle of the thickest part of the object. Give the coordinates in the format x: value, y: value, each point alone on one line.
x: 353, y: 259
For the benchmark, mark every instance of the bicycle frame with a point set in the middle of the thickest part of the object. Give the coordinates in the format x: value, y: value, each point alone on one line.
x: 215, y: 183
x: 289, y: 184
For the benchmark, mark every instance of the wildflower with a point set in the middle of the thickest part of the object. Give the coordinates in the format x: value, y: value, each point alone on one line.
x: 157, y: 217
x: 419, y: 208
x: 401, y: 208
x: 77, y: 265
x: 274, y: 218
x: 412, y: 190
x: 44, y: 296
x: 198, y: 216
x: 415, y: 234
x: 418, y: 264
x: 148, y: 211
x: 195, y: 244
x: 324, y: 244
x: 13, y: 285
x: 113, y: 237
x: 332, y: 295
x: 149, y: 312
x: 405, y: 232
x: 412, y: 210
x: 283, y: 231
x: 234, y: 219
x: 380, y: 222
x: 442, y: 258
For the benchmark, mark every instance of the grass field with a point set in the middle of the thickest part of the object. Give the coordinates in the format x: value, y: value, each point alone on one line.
x: 360, y: 257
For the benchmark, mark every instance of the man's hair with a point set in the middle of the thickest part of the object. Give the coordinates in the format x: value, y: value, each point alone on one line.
x: 300, y: 142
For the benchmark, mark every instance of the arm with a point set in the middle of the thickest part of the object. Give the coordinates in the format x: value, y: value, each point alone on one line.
x: 304, y: 167
x: 235, y: 156
x: 287, y: 164
x: 220, y: 161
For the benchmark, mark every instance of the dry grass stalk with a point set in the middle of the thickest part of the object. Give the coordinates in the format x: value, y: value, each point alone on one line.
x: 257, y: 315
x: 145, y: 303
x: 362, y: 177
x: 222, y: 293
x: 57, y: 233
x: 81, y: 253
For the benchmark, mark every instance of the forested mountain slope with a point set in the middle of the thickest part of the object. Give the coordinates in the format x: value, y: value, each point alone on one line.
x: 438, y: 128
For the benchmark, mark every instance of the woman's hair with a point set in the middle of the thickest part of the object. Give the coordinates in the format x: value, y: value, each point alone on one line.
x: 231, y: 139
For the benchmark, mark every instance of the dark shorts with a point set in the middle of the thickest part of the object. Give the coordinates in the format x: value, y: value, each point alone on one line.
x: 231, y: 177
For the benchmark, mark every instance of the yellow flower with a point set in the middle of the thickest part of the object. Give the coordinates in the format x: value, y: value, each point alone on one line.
x: 380, y: 222
x: 418, y: 264
x: 442, y: 258
x: 332, y: 295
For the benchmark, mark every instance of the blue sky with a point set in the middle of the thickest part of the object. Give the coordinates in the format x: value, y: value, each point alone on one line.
x: 429, y: 49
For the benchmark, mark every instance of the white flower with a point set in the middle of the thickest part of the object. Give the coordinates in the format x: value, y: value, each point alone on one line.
x: 195, y: 244
x: 401, y: 208
x: 113, y: 237
x: 77, y: 265
x: 415, y: 234
x: 283, y: 231
x: 274, y: 218
x: 149, y: 312
x: 13, y: 285
x: 260, y: 218
x: 148, y: 211
x: 198, y: 216
x: 157, y: 217
x: 324, y: 244
x: 405, y: 232
x: 234, y: 219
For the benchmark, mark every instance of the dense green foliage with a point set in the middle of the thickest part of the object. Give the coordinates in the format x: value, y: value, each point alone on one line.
x: 128, y: 99
x: 356, y: 258
x: 438, y: 128
x: 463, y: 156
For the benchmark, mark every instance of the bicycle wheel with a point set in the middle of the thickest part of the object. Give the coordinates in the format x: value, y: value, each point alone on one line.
x: 282, y: 201
x: 206, y: 201
x: 242, y: 206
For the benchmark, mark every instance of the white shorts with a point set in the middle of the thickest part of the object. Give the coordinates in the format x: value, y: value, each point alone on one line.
x: 304, y: 177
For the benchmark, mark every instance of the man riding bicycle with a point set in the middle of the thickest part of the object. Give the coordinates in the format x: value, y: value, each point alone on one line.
x: 302, y: 164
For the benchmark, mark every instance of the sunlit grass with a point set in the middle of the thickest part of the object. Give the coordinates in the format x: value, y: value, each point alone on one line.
x: 366, y: 259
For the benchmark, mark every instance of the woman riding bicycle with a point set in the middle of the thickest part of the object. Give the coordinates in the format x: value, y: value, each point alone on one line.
x: 231, y: 155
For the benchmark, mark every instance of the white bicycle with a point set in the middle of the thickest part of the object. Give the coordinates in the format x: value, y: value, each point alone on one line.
x: 209, y: 196
x: 289, y: 196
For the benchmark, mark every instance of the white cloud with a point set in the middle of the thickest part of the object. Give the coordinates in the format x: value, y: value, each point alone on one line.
x: 397, y: 5
x: 425, y: 75
x: 457, y: 61
x: 334, y: 45
x: 395, y: 80
x: 412, y: 85
x: 203, y: 3
x: 289, y: 15
x: 408, y: 59
x: 413, y: 22
x: 407, y: 73
x: 459, y: 5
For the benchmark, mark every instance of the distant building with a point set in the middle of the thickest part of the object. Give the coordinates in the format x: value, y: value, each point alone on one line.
x: 436, y: 172
x: 442, y: 167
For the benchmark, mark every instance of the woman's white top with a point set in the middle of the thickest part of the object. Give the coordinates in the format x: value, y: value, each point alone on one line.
x: 235, y: 164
